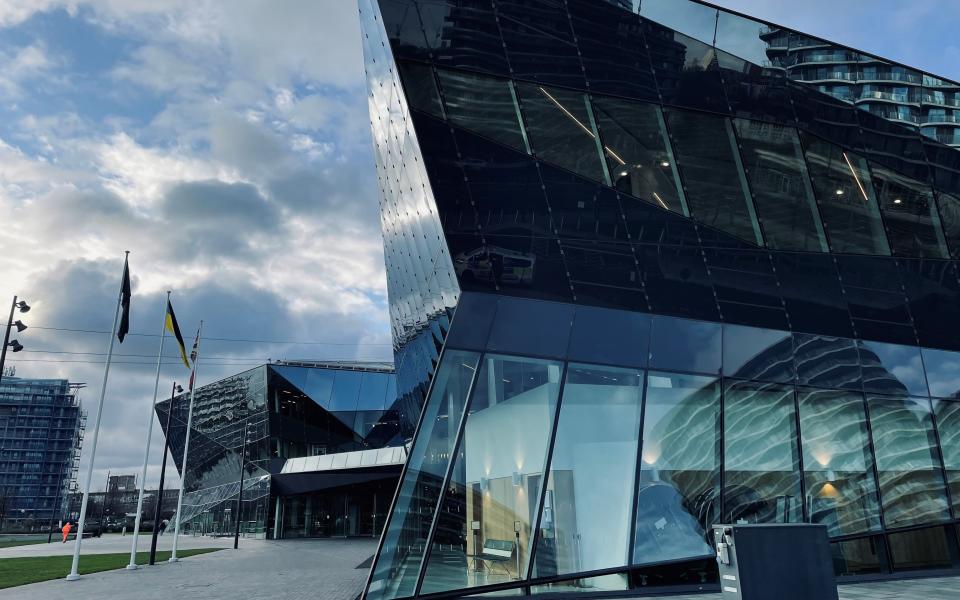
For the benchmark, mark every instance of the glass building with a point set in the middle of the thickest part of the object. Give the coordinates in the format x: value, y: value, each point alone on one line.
x: 655, y: 282
x: 41, y: 432
x: 320, y: 444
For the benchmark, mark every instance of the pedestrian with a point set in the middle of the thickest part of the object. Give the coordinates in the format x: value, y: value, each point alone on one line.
x: 163, y: 526
x: 66, y: 531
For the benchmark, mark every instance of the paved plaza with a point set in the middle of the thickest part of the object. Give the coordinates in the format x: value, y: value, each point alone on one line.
x: 916, y: 589
x: 301, y: 570
x: 259, y: 570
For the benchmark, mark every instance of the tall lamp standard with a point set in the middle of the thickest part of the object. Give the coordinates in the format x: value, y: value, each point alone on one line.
x: 14, y: 346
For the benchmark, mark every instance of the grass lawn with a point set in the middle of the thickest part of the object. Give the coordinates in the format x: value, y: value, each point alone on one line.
x: 11, y: 543
x: 21, y: 571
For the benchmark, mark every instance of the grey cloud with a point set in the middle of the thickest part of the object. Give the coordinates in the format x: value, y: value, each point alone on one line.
x: 213, y: 219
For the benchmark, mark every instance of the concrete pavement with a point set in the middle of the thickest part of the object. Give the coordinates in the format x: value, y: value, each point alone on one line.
x: 259, y: 570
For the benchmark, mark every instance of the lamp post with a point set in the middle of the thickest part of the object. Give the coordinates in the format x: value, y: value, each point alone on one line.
x: 15, y: 346
x: 163, y: 470
x: 243, y: 460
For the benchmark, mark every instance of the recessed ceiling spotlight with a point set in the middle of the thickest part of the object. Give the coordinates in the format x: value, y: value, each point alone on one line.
x: 898, y: 201
x: 623, y: 173
x: 839, y: 192
x: 664, y: 164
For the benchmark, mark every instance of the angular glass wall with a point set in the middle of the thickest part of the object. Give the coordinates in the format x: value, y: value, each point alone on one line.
x: 394, y: 575
x: 908, y: 461
x: 589, y: 491
x: 421, y: 285
x: 761, y: 457
x: 841, y: 490
x: 678, y: 495
x: 492, y: 493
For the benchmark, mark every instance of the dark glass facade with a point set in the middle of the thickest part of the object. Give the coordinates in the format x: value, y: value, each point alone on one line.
x: 287, y: 411
x: 41, y: 432
x: 687, y: 288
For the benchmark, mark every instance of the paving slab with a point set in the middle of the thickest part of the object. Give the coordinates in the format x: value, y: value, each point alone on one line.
x: 941, y: 588
x: 259, y: 570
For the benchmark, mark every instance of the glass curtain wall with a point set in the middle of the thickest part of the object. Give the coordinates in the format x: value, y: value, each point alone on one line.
x: 757, y: 426
x: 484, y: 526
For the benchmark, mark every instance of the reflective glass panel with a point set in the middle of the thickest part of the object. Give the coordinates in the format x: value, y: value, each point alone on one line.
x: 601, y: 583
x: 346, y: 390
x: 373, y: 391
x: 463, y: 34
x: 613, y: 337
x: 589, y: 494
x: 837, y: 462
x: 420, y: 88
x: 695, y: 20
x: 638, y: 152
x: 943, y: 372
x: 686, y: 69
x: 482, y: 104
x: 856, y: 557
x: 781, y: 187
x: 318, y: 384
x: 678, y: 499
x: 922, y: 549
x: 491, y: 500
x: 404, y: 541
x: 948, y: 426
x: 539, y: 41
x: 613, y: 49
x: 743, y: 37
x: 531, y: 327
x: 758, y: 354
x: 848, y: 204
x: 716, y: 188
x: 892, y: 369
x: 561, y: 129
x: 913, y: 225
x: 761, y: 458
x: 685, y: 345
x: 911, y: 479
x: 950, y: 216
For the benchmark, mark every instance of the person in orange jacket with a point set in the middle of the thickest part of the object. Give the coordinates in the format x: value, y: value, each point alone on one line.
x: 66, y: 531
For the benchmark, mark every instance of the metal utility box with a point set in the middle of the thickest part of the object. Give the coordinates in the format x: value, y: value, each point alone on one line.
x: 774, y: 561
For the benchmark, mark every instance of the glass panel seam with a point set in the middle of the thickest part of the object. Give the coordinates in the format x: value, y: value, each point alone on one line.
x: 516, y: 109
x: 674, y: 167
x: 427, y: 551
x: 637, y: 467
x: 804, y: 513
x: 596, y: 140
x: 942, y: 462
x: 744, y: 183
x: 548, y: 464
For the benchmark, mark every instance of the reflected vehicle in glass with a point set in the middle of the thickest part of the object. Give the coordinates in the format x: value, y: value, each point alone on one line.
x: 495, y: 264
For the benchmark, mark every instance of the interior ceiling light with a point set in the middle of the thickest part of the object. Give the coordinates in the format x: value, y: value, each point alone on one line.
x: 898, y: 201
x: 839, y: 192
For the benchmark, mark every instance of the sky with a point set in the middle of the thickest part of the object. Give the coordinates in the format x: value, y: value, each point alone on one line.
x: 226, y: 146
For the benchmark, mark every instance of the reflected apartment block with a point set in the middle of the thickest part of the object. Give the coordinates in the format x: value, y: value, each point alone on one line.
x: 320, y: 445
x: 668, y: 284
x: 41, y: 432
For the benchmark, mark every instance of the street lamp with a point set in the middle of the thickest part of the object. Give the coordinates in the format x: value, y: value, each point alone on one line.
x: 14, y: 345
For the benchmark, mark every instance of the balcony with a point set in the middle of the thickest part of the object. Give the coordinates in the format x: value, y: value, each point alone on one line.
x: 889, y: 97
x: 941, y: 120
x: 899, y: 77
x: 935, y: 100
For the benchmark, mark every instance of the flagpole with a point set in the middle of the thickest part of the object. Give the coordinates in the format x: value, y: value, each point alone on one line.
x: 146, y: 452
x: 74, y: 574
x: 186, y: 446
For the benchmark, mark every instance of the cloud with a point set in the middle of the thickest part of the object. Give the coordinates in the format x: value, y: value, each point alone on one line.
x: 227, y: 146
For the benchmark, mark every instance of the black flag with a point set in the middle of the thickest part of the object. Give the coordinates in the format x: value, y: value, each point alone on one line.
x: 124, y: 302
